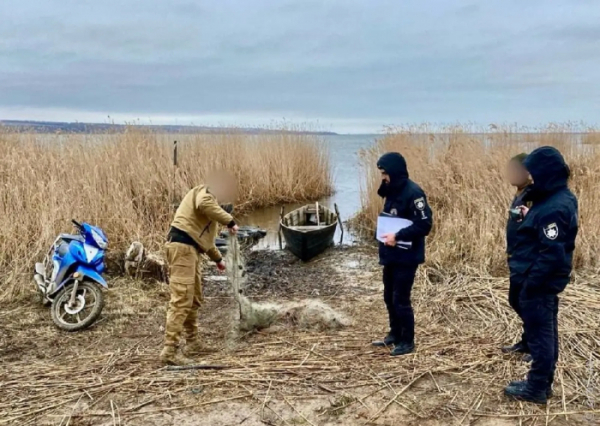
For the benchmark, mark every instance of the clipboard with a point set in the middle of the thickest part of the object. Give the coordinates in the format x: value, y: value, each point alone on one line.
x: 387, y: 224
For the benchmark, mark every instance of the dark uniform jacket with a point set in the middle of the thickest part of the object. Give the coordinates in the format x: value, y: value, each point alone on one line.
x: 542, y: 253
x: 404, y: 199
x: 513, y: 224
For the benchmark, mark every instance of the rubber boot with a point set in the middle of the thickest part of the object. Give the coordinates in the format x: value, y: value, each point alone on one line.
x: 170, y: 356
x: 387, y: 341
x: 403, y: 349
x: 517, y: 347
x: 525, y: 393
x: 523, y: 384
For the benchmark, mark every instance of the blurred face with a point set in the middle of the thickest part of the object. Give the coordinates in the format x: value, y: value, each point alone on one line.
x: 516, y: 174
x: 223, y: 185
x: 384, y: 176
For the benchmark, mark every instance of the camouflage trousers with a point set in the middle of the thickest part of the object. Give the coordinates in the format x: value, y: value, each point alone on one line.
x: 185, y: 283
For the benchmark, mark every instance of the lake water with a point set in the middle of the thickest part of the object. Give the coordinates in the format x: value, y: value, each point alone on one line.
x: 343, y: 151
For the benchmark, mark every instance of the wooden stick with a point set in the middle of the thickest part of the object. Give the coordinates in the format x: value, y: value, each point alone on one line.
x: 281, y: 214
x: 175, y: 164
x: 317, y: 212
x: 339, y: 220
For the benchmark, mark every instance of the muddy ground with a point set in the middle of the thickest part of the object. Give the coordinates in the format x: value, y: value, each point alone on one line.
x: 110, y: 374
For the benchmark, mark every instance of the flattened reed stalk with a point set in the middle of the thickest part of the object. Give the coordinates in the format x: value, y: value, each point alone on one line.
x: 123, y: 183
x: 463, y: 176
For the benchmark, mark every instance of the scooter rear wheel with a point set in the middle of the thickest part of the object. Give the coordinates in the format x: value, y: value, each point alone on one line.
x: 87, y: 308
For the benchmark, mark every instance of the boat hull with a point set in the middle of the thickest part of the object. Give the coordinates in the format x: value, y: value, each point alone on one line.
x: 308, y: 244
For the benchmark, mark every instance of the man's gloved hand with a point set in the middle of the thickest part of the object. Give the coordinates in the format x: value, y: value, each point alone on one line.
x: 233, y: 230
x: 221, y: 266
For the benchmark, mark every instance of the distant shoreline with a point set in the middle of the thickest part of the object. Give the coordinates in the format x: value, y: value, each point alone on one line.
x: 64, y: 127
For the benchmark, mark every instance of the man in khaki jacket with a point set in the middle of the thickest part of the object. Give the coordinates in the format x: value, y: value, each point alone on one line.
x: 192, y: 233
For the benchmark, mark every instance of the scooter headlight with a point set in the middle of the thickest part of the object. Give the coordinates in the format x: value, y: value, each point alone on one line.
x: 99, y: 240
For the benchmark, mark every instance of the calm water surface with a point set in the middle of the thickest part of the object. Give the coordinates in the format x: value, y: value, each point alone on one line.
x: 343, y: 150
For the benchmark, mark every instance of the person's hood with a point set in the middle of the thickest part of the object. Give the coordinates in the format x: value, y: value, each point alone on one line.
x: 549, y: 171
x: 394, y: 164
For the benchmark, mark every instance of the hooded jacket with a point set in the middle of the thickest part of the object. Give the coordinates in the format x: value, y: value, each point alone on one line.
x: 406, y: 200
x: 198, y: 218
x: 542, y: 256
x: 512, y: 225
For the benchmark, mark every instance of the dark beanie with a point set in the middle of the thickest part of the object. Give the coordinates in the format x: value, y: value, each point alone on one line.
x: 519, y: 158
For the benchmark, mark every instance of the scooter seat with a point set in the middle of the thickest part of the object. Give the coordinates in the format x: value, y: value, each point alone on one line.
x: 71, y: 237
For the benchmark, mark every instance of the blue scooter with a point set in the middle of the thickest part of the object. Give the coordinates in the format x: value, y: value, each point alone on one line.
x: 74, y: 287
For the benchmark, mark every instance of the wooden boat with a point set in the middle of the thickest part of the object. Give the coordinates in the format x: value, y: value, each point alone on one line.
x: 309, y: 230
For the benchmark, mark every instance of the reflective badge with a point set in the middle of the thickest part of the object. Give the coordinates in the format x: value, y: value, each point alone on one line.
x: 551, y: 231
x: 420, y: 203
x: 394, y: 212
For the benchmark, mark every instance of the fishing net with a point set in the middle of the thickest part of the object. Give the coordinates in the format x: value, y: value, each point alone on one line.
x: 254, y: 316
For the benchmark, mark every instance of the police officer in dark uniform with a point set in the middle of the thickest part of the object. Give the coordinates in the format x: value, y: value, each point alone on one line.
x: 403, y: 199
x: 518, y: 177
x: 543, y: 257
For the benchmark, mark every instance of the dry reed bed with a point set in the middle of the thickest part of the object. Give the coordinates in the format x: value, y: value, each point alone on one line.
x: 456, y: 374
x: 463, y: 176
x: 126, y: 183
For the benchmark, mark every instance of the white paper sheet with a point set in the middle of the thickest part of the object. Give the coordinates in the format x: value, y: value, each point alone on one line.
x: 391, y: 225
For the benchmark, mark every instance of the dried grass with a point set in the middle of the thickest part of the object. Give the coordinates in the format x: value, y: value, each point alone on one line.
x: 457, y: 372
x: 126, y: 183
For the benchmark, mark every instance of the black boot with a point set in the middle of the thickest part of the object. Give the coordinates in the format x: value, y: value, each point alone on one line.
x: 517, y: 347
x: 526, y: 394
x: 523, y: 384
x: 389, y: 340
x: 403, y: 349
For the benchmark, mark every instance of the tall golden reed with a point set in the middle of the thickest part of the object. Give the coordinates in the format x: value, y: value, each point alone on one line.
x: 126, y: 183
x: 463, y: 176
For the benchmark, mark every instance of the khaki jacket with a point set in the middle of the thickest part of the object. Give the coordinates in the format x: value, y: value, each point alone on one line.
x: 199, y: 215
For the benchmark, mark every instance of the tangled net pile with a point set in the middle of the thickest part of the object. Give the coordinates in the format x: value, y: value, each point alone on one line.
x: 254, y: 316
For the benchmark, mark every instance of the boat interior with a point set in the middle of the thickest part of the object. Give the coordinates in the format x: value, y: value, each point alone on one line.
x: 310, y: 217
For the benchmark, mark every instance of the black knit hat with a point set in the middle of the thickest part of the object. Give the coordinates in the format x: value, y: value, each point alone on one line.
x: 519, y: 158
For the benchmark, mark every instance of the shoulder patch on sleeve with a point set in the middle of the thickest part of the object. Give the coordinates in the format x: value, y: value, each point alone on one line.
x: 420, y: 203
x: 551, y: 231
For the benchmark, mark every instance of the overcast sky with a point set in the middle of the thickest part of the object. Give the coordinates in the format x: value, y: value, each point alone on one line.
x: 342, y: 65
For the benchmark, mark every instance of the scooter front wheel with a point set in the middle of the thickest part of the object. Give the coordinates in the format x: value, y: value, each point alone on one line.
x: 88, y: 305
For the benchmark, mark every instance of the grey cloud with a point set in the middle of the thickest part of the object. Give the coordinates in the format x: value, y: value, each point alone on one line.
x: 340, y: 59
